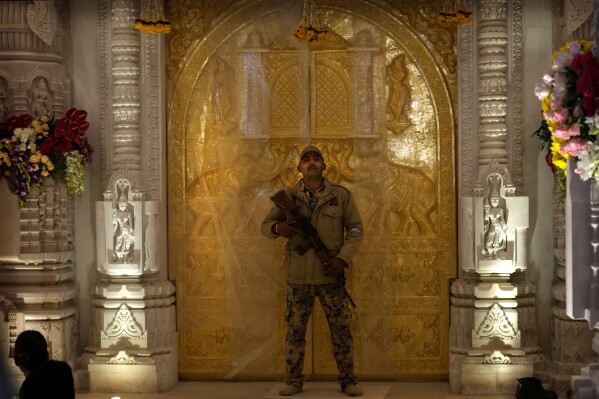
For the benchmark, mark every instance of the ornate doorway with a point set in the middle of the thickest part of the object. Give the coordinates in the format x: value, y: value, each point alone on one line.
x: 244, y: 98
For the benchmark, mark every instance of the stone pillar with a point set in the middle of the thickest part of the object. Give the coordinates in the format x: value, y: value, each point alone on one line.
x: 37, y: 272
x: 493, y: 337
x: 133, y: 339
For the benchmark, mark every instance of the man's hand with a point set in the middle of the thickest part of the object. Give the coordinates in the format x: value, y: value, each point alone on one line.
x: 334, y: 267
x: 286, y: 229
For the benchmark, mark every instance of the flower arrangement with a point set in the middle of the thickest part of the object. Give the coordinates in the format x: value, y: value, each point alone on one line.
x: 569, y: 95
x: 458, y: 16
x: 153, y: 26
x: 31, y: 149
x: 309, y: 33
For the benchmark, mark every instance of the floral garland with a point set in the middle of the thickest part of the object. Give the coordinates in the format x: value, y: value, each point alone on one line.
x: 309, y: 33
x: 31, y: 149
x: 153, y: 26
x: 459, y: 16
x: 569, y: 95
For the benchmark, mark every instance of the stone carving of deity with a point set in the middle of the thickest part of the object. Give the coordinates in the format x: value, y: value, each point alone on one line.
x: 123, y: 238
x: 39, y: 99
x: 221, y: 95
x: 399, y: 91
x: 495, y: 225
x: 4, y: 106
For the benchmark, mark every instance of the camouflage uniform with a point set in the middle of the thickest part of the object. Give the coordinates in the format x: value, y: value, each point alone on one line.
x: 335, y: 216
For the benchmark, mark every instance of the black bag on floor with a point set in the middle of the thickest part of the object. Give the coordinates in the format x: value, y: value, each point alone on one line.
x: 531, y: 388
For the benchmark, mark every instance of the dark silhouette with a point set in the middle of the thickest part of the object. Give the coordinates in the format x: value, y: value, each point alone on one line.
x: 44, y: 378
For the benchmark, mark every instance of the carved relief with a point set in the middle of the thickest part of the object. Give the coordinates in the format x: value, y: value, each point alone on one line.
x: 123, y: 223
x: 222, y: 102
x: 123, y: 325
x: 399, y: 94
x: 41, y: 18
x: 495, y: 220
x: 5, y: 100
x: 496, y: 324
x: 122, y: 358
x: 40, y: 98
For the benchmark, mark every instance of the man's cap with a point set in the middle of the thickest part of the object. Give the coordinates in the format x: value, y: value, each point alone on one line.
x: 308, y: 149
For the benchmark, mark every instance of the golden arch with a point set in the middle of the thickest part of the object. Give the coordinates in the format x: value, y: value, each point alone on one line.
x: 408, y: 271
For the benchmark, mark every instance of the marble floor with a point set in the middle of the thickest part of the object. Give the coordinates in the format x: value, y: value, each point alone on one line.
x: 312, y: 390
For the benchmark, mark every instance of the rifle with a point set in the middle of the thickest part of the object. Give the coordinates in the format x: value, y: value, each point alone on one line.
x: 311, y: 236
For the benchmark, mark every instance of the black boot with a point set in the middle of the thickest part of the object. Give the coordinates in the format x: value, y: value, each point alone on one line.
x: 531, y: 388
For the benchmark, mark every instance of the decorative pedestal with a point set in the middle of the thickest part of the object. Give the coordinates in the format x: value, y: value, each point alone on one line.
x: 492, y: 303
x: 133, y: 331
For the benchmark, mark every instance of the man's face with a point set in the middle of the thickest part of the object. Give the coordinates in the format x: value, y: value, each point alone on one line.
x: 311, y: 165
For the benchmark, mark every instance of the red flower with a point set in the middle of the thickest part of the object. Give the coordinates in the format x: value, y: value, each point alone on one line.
x: 587, y: 84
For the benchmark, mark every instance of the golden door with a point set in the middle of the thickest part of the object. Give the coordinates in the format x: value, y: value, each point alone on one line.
x: 244, y: 98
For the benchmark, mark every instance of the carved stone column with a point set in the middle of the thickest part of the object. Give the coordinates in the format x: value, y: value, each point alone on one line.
x: 493, y: 337
x: 37, y: 272
x: 133, y: 339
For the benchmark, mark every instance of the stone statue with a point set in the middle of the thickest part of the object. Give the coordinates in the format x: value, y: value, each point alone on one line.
x: 123, y: 239
x: 399, y: 91
x: 39, y: 100
x: 4, y: 106
x: 221, y: 92
x: 495, y: 229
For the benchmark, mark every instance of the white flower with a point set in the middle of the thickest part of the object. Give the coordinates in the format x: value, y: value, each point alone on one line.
x: 593, y: 123
x: 23, y: 134
x: 541, y: 90
x: 548, y: 77
x: 588, y: 163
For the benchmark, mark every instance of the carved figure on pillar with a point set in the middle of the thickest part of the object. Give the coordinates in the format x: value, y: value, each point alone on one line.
x: 39, y: 99
x: 123, y: 224
x: 4, y: 101
x: 495, y: 228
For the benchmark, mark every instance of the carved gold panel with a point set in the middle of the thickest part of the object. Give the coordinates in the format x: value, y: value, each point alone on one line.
x: 243, y: 99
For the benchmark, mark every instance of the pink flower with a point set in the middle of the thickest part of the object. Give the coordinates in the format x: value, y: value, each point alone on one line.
x: 566, y: 132
x: 573, y: 147
x: 562, y: 132
x: 557, y: 117
x: 577, y: 112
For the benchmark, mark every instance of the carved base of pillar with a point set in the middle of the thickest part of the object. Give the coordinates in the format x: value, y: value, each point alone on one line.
x: 125, y: 374
x: 478, y: 375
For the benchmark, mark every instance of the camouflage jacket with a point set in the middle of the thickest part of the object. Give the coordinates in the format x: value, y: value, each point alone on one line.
x: 337, y: 220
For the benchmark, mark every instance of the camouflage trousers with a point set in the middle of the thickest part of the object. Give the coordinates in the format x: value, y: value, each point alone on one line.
x: 300, y: 302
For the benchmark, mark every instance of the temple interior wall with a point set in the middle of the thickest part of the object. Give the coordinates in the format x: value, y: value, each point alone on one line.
x: 539, y: 32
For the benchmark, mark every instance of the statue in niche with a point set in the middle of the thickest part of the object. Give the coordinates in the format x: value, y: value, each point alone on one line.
x: 4, y: 107
x: 399, y: 94
x: 123, y: 239
x: 39, y: 99
x: 150, y: 241
x: 495, y: 224
x: 221, y: 96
